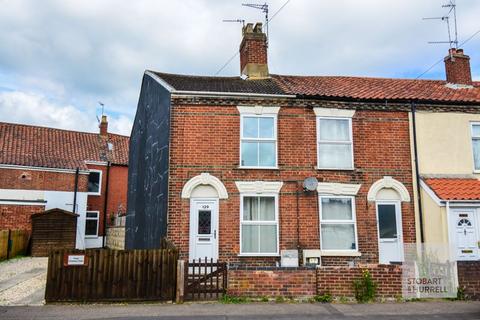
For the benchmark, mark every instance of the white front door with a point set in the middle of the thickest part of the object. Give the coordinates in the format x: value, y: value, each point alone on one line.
x: 466, y: 243
x: 390, y: 239
x: 203, y: 229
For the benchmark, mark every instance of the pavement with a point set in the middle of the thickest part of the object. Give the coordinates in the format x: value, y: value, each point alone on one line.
x: 22, y: 281
x: 410, y: 310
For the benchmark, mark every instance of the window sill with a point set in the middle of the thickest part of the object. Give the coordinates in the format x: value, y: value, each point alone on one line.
x: 259, y: 168
x: 340, y: 253
x: 93, y: 194
x: 334, y: 169
x: 91, y: 237
x: 253, y: 255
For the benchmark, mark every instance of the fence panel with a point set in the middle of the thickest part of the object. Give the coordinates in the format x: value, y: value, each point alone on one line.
x: 112, y: 275
x: 18, y: 239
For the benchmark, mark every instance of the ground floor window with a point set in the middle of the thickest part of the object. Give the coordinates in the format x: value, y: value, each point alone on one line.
x: 337, y: 223
x: 91, y: 224
x: 259, y: 225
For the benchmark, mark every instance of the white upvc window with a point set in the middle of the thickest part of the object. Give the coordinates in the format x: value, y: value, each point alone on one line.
x: 91, y: 224
x: 95, y: 182
x: 334, y: 143
x: 258, y: 141
x: 476, y: 146
x: 259, y: 225
x: 338, y: 229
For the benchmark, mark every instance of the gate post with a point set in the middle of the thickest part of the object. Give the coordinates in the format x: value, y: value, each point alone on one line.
x: 180, y: 281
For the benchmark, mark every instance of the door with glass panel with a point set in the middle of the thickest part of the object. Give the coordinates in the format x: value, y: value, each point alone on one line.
x: 204, y: 229
x: 465, y: 234
x: 390, y: 239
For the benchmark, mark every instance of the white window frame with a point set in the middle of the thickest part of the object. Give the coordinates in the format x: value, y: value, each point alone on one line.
x: 98, y: 222
x: 350, y: 142
x: 99, y: 183
x: 336, y: 222
x: 249, y: 222
x: 472, y: 124
x: 274, y: 139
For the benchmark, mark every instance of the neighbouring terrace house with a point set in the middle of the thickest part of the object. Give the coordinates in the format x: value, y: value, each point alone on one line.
x: 267, y: 171
x: 44, y: 168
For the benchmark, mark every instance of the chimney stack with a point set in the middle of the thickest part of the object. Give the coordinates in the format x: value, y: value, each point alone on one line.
x: 103, y: 126
x: 253, y: 52
x: 457, y: 67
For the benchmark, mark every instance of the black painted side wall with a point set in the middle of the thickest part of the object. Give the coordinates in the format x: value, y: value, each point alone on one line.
x: 148, y: 168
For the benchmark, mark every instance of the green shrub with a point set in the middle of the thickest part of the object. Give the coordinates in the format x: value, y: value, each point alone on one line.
x: 279, y: 299
x: 233, y: 300
x: 324, y: 298
x: 365, y: 287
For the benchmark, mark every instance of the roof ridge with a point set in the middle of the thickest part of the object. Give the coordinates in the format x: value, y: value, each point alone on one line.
x: 356, y: 77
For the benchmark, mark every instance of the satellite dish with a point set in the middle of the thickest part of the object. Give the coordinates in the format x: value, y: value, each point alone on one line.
x: 310, y: 184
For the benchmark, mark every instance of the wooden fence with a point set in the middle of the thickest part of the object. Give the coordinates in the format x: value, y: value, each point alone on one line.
x: 112, y: 275
x: 13, y: 243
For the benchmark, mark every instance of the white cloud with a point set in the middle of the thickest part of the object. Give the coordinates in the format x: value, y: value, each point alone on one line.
x: 35, y: 109
x: 79, y: 52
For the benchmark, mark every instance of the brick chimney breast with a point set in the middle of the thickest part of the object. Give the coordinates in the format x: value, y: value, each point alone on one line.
x: 253, y: 52
x: 103, y: 126
x: 457, y: 68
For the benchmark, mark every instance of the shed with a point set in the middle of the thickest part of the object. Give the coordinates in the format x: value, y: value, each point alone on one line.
x: 53, y: 229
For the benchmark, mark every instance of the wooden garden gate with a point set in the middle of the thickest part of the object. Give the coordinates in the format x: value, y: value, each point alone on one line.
x: 205, y: 280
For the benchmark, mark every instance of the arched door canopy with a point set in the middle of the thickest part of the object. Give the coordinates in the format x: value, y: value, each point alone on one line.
x: 388, y: 183
x: 204, y: 179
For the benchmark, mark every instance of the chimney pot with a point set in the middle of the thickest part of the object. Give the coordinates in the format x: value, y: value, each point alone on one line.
x: 457, y: 67
x: 253, y: 52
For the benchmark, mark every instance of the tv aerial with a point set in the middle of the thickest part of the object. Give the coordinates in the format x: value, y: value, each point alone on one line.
x: 242, y: 21
x: 452, y: 41
x: 264, y: 8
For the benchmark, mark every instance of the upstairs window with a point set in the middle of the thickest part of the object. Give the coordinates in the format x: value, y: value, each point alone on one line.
x: 476, y: 145
x: 258, y: 141
x: 334, y: 143
x: 94, y: 182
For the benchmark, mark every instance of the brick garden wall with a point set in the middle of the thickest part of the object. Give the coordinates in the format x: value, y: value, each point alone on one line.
x: 469, y: 278
x: 206, y: 138
x: 303, y: 282
x: 271, y: 283
x: 338, y: 281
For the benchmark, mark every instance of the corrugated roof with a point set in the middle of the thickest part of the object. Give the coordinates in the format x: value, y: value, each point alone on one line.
x: 455, y: 189
x: 36, y: 146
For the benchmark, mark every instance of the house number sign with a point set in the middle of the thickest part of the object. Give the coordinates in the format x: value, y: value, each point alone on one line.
x: 70, y: 260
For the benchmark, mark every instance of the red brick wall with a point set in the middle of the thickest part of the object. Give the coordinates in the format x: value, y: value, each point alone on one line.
x: 117, y: 193
x: 207, y: 139
x: 41, y: 180
x: 272, y: 283
x: 469, y: 278
x: 18, y: 217
x: 338, y: 281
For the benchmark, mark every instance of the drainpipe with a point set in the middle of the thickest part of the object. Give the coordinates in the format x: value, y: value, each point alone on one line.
x: 417, y: 171
x: 105, y: 205
x: 75, y: 190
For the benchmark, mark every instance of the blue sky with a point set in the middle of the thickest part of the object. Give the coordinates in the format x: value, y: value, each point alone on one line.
x: 59, y: 58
